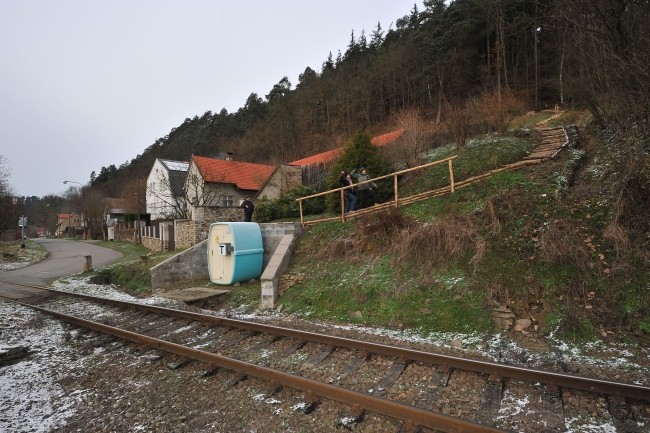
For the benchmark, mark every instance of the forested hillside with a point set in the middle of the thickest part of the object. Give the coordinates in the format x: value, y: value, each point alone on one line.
x: 465, y: 67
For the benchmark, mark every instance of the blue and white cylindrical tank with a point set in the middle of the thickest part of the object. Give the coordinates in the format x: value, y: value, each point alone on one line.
x: 235, y: 252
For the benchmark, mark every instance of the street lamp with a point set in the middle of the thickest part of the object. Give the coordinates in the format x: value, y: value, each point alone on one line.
x: 83, y: 199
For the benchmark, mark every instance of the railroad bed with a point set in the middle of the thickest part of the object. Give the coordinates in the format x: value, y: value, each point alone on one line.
x: 370, y: 384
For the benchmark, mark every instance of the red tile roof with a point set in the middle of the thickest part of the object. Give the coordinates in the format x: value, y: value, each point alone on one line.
x: 320, y: 158
x: 331, y: 155
x: 244, y: 175
x: 389, y: 137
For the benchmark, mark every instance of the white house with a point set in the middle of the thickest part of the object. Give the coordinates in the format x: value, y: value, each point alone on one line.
x: 165, y: 195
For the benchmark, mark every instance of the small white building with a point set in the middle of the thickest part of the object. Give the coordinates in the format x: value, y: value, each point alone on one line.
x: 165, y: 195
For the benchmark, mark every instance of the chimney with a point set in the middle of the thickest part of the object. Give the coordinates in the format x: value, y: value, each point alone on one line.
x: 229, y: 156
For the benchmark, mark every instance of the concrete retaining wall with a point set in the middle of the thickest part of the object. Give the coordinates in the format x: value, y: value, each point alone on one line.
x: 192, y: 264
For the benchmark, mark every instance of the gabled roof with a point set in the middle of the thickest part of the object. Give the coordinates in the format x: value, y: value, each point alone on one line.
x: 244, y: 175
x: 331, y: 155
x: 176, y: 173
x: 175, y: 165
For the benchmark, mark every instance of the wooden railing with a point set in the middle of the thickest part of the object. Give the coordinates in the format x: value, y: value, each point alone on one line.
x: 396, y: 201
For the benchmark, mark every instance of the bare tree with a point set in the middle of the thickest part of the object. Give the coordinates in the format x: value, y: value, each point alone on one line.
x: 5, y: 171
x: 413, y: 139
x: 95, y: 209
x: 8, y: 203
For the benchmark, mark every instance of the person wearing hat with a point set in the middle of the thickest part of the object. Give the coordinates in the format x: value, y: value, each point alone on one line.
x: 350, y: 196
x: 249, y: 208
x: 366, y: 190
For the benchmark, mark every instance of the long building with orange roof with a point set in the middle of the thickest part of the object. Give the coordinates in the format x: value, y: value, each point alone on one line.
x: 313, y: 166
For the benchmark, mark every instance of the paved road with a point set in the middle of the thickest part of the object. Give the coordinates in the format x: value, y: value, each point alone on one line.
x: 66, y: 257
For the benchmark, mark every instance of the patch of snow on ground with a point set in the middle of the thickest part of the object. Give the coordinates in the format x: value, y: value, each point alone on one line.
x: 29, y: 397
x: 577, y: 425
x: 10, y: 266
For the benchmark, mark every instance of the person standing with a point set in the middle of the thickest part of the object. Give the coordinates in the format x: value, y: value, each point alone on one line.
x: 249, y: 208
x: 366, y: 190
x: 350, y: 198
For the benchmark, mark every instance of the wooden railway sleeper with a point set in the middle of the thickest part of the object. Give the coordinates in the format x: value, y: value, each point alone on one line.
x: 317, y: 358
x: 173, y: 334
x: 273, y: 388
x: 409, y: 427
x: 311, y: 403
x: 259, y: 346
x: 209, y: 372
x: 208, y: 337
x: 357, y: 415
x: 236, y: 378
x: 391, y: 376
x: 293, y: 348
x: 491, y: 400
x: 622, y: 414
x: 163, y: 331
x: 152, y: 325
x: 182, y: 363
x: 357, y: 360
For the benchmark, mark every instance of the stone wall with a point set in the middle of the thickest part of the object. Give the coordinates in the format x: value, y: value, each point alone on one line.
x: 154, y: 244
x: 184, y: 233
x: 126, y: 231
x: 191, y: 232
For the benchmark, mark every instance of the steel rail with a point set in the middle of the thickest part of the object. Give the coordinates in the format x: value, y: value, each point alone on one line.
x: 382, y: 406
x: 492, y: 368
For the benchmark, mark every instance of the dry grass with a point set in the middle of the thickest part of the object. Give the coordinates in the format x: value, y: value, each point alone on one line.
x: 493, y: 111
x: 617, y: 236
x: 560, y: 244
x: 381, y: 229
x: 430, y: 244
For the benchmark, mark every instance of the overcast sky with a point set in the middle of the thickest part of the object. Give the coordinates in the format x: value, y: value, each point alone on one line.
x: 86, y: 84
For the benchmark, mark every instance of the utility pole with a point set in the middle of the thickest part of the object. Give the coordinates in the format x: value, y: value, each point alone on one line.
x: 22, y: 222
x: 535, y: 32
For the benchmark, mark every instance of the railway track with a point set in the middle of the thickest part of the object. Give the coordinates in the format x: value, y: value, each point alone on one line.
x: 415, y: 390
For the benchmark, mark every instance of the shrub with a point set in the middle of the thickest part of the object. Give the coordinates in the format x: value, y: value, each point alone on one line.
x: 286, y: 205
x: 359, y: 153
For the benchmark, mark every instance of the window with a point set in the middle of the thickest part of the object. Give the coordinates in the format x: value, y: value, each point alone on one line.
x: 228, y: 200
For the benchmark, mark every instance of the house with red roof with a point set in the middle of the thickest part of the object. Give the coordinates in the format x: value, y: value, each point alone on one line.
x: 226, y: 183
x: 67, y: 224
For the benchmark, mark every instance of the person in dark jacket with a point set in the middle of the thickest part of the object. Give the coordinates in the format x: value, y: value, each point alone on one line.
x: 367, y: 195
x: 350, y: 196
x: 249, y: 208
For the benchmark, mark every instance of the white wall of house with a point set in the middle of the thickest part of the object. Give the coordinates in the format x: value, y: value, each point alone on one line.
x: 161, y: 202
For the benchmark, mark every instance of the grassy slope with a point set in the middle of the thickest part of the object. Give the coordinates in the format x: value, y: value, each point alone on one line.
x: 531, y: 241
x: 536, y: 241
